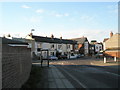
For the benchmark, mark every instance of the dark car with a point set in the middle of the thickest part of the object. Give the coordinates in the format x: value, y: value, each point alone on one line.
x: 62, y: 57
x: 78, y: 56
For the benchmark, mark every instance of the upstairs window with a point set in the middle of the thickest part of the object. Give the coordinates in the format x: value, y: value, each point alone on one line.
x: 59, y: 46
x: 68, y: 46
x: 52, y: 46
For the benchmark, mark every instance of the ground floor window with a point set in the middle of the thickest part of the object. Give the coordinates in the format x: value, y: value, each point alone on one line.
x: 52, y: 53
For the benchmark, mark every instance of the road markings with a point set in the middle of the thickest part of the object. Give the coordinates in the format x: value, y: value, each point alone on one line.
x: 74, y: 79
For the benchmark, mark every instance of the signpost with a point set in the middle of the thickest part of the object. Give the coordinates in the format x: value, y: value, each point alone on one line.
x: 42, y: 58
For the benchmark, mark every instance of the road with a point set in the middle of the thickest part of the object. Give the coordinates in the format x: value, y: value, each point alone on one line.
x: 88, y: 73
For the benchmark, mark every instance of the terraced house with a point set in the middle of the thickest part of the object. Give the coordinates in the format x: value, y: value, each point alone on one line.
x: 51, y: 46
x: 112, y: 45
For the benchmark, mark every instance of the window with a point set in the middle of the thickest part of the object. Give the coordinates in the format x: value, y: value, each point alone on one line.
x: 96, y: 47
x: 59, y: 46
x: 68, y: 46
x: 30, y: 45
x: 52, y: 46
x: 100, y: 47
x: 76, y: 46
x: 52, y: 53
x: 38, y: 49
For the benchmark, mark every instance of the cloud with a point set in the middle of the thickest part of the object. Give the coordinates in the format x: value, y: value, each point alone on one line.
x: 72, y: 19
x: 25, y: 6
x: 61, y: 15
x: 113, y: 8
x: 91, y: 34
x: 56, y: 14
x: 40, y: 11
x: 33, y: 19
x: 87, y: 18
x: 14, y: 34
x: 66, y: 14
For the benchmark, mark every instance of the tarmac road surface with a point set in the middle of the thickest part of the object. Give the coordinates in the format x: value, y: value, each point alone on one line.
x: 84, y: 75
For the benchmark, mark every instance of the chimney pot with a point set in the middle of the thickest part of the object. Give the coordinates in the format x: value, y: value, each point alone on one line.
x: 61, y: 37
x: 52, y: 36
x: 111, y: 34
x: 30, y: 34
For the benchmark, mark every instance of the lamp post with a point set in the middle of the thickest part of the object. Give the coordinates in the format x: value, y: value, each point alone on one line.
x: 32, y: 30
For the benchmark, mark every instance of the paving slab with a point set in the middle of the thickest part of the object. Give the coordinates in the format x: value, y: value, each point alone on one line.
x: 55, y: 79
x: 58, y: 80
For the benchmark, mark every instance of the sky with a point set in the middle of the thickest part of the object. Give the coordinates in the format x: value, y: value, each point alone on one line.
x: 94, y: 20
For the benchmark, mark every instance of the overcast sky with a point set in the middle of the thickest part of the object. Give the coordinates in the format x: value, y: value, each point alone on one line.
x: 93, y: 20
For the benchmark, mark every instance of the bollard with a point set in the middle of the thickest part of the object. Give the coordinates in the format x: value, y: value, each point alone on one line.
x: 105, y: 59
x: 115, y: 59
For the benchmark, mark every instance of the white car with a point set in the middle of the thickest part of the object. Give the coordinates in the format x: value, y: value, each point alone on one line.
x: 73, y: 56
x: 53, y: 58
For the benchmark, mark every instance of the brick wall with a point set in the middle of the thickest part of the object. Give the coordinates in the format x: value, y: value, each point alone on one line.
x: 16, y: 66
x: 0, y: 63
x: 113, y: 53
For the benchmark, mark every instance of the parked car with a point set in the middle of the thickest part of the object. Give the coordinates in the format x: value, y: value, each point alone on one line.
x: 53, y: 58
x: 73, y: 56
x: 78, y: 56
x: 62, y: 57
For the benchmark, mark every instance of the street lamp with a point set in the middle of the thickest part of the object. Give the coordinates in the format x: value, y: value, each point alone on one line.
x: 32, y: 30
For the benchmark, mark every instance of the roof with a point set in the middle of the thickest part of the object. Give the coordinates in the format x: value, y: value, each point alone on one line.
x: 80, y: 40
x: 113, y: 42
x: 9, y: 41
x: 53, y: 40
x: 105, y: 39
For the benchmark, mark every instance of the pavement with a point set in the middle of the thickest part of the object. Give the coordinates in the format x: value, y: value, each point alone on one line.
x: 53, y: 78
x: 57, y: 80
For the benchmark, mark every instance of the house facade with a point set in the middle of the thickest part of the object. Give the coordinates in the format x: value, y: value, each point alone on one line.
x: 82, y: 46
x: 112, y: 45
x: 91, y: 49
x: 95, y: 47
x: 104, y: 47
x: 98, y: 47
x: 50, y: 46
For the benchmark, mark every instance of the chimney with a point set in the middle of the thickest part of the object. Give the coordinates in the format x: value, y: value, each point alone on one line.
x: 61, y: 37
x: 30, y: 34
x: 52, y: 36
x: 8, y: 35
x: 111, y: 34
